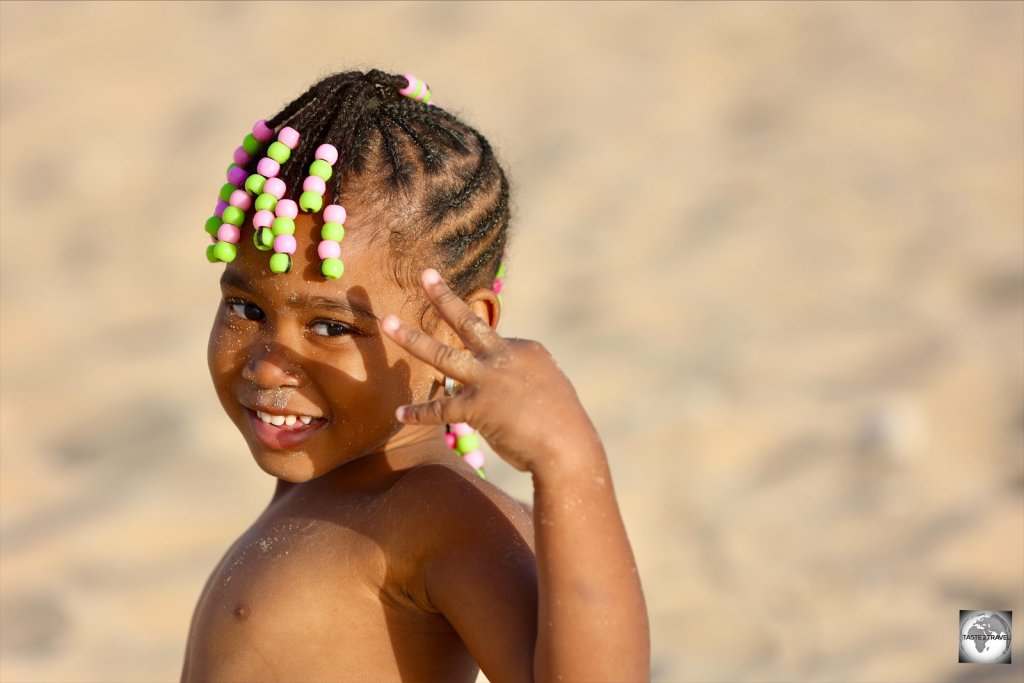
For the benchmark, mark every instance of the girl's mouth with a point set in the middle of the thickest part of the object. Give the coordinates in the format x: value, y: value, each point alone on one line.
x: 283, y: 432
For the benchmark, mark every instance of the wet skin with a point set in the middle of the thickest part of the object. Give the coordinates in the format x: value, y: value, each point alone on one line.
x: 381, y: 555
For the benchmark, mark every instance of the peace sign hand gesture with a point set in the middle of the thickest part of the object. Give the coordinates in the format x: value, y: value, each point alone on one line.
x: 513, y: 393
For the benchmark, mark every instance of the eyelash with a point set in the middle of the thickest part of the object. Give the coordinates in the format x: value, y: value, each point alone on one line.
x: 242, y: 308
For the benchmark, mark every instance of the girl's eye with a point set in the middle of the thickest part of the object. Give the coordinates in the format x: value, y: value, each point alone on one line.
x: 246, y: 309
x: 330, y: 328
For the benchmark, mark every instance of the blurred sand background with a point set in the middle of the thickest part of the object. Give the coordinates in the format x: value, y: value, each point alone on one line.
x: 778, y: 248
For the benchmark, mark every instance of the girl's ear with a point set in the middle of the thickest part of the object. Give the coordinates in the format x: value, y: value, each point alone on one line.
x: 484, y: 303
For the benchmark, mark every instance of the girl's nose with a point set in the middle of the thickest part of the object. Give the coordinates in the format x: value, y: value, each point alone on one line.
x: 269, y: 366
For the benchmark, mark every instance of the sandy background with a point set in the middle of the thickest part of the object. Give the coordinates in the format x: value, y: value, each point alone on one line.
x: 779, y: 249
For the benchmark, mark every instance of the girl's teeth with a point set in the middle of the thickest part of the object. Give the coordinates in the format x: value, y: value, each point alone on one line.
x: 279, y: 420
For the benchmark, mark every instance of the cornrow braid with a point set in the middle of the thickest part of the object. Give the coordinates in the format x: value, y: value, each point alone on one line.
x: 434, y: 179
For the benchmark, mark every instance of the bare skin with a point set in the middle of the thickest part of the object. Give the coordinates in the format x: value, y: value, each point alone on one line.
x: 382, y: 556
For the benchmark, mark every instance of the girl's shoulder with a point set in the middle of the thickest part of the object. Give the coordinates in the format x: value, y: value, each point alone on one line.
x: 454, y: 498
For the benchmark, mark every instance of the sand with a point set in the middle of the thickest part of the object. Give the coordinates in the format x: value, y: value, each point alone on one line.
x: 778, y: 248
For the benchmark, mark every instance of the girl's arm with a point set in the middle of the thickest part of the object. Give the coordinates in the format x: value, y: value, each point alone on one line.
x: 591, y: 622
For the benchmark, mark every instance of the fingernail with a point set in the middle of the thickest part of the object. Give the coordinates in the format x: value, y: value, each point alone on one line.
x: 390, y: 323
x: 400, y: 413
x: 431, y: 276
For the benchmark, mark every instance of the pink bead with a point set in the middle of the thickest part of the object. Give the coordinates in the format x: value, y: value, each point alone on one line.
x: 461, y: 429
x: 328, y: 153
x: 289, y: 137
x: 262, y: 132
x: 237, y: 176
x: 221, y: 205
x: 268, y: 167
x: 241, y: 199
x: 275, y: 187
x: 450, y: 439
x: 284, y: 244
x: 410, y: 85
x: 287, y: 208
x: 328, y: 249
x: 498, y: 284
x: 314, y: 183
x: 241, y: 156
x: 262, y: 219
x: 228, y: 233
x: 475, y: 459
x: 335, y: 213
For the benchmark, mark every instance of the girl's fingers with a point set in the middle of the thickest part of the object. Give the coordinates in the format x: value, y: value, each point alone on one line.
x: 476, y: 334
x: 439, y: 411
x: 456, y: 364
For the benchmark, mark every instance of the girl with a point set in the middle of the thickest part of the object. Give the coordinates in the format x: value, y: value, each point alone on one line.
x: 362, y: 229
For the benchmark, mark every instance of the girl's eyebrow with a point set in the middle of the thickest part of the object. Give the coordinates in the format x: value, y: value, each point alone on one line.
x: 295, y: 300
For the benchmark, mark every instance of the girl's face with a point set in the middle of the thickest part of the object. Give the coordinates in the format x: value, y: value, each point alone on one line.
x: 309, y: 352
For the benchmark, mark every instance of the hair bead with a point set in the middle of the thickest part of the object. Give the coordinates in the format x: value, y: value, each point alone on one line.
x: 241, y: 157
x: 233, y: 215
x: 310, y: 201
x: 229, y: 233
x: 275, y: 187
x: 280, y: 263
x: 328, y: 249
x: 262, y: 219
x: 279, y: 152
x: 237, y: 175
x: 263, y: 239
x: 287, y: 208
x: 415, y: 89
x: 334, y: 232
x: 266, y: 201
x: 332, y: 268
x: 268, y: 167
x: 262, y: 131
x: 335, y: 213
x: 314, y: 183
x: 328, y: 153
x: 241, y: 200
x: 289, y: 137
x: 254, y: 183
x: 285, y: 244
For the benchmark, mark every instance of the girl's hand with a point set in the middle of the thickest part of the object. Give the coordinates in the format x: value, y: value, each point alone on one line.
x: 513, y: 392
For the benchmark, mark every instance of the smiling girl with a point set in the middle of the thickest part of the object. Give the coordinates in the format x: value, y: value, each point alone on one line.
x: 355, y: 349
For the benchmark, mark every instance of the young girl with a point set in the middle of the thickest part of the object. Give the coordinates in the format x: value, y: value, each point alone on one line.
x: 363, y: 228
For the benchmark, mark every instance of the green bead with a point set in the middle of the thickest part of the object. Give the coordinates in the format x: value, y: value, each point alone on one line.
x: 250, y: 144
x: 225, y: 251
x: 254, y: 183
x: 210, y: 255
x: 225, y: 192
x: 265, y: 202
x: 263, y: 239
x: 233, y: 215
x: 280, y: 263
x: 320, y: 168
x: 283, y: 225
x: 501, y: 271
x: 310, y: 201
x: 480, y: 471
x: 467, y: 443
x: 501, y: 301
x: 332, y: 268
x: 279, y: 152
x: 213, y: 225
x: 332, y: 231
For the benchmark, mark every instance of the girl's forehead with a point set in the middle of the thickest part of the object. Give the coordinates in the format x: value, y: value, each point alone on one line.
x: 367, y: 280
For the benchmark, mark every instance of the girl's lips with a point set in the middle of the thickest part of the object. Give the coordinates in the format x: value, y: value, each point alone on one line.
x: 283, y: 437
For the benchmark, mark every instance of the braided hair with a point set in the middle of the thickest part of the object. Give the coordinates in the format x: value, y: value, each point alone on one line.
x: 432, y: 178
